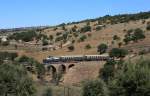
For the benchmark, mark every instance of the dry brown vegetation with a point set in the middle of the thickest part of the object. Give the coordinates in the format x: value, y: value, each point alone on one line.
x: 89, y: 70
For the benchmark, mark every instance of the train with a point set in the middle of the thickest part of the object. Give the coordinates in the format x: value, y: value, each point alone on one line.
x: 54, y: 59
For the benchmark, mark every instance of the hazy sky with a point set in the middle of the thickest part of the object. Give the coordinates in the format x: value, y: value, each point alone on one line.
x: 20, y: 13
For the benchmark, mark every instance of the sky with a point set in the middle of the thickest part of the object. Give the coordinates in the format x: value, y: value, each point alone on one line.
x: 26, y: 13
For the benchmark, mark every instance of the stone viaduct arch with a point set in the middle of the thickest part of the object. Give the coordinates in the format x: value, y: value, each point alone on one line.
x: 54, y: 68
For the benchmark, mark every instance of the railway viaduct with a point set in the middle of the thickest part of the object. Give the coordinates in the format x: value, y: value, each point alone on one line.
x: 60, y: 67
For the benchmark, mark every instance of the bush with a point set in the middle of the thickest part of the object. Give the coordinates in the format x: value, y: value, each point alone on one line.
x: 45, y: 42
x: 88, y: 46
x: 118, y: 52
x: 55, y: 28
x: 115, y: 37
x: 138, y: 34
x: 127, y: 39
x: 23, y: 59
x: 82, y: 38
x: 40, y: 70
x: 74, y: 28
x: 98, y: 28
x: 108, y: 71
x: 6, y: 43
x: 58, y: 33
x: 8, y: 56
x: 102, y: 48
x: 86, y: 28
x: 24, y: 36
x: 71, y: 48
x: 58, y: 38
x: 95, y: 88
x: 134, y: 35
x: 51, y: 37
x: 48, y: 92
x: 148, y: 27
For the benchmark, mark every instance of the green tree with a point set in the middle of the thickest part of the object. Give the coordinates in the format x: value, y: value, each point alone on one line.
x: 40, y: 70
x: 24, y: 36
x: 48, y: 92
x: 7, y: 56
x: 23, y: 59
x: 118, y: 53
x: 133, y: 79
x: 108, y: 71
x: 95, y: 88
x: 102, y: 48
x: 14, y: 81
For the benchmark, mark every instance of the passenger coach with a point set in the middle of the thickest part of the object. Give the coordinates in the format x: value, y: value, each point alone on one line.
x: 51, y: 59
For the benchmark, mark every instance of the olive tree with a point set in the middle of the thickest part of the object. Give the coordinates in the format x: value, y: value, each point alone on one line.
x: 95, y: 88
x: 133, y: 79
x: 118, y: 52
x: 102, y: 48
x: 14, y: 81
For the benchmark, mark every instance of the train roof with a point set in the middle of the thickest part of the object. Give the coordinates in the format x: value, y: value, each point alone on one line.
x: 73, y: 56
x: 65, y: 56
x: 99, y: 55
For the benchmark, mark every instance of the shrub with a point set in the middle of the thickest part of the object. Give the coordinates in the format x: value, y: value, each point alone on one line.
x: 58, y: 33
x: 102, y: 48
x: 88, y: 46
x: 95, y: 88
x: 64, y: 28
x: 8, y: 56
x: 24, y: 36
x: 74, y: 28
x: 120, y: 44
x: 148, y: 27
x: 86, y: 28
x: 71, y: 48
x: 45, y: 42
x: 138, y: 34
x: 58, y: 38
x: 98, y: 28
x: 115, y: 37
x: 51, y: 37
x: 23, y: 59
x: 55, y: 28
x: 6, y: 43
x: 40, y: 70
x: 118, y: 52
x: 75, y: 34
x: 134, y: 35
x: 83, y: 37
x: 48, y: 92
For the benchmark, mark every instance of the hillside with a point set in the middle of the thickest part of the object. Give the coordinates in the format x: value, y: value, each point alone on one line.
x: 97, y: 37
x: 94, y: 31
